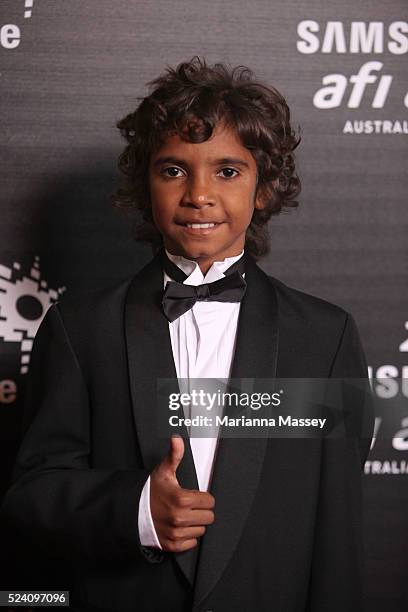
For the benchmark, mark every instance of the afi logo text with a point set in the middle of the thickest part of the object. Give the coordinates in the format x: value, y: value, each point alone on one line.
x: 363, y: 38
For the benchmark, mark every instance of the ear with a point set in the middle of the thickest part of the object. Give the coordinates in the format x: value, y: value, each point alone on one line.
x: 263, y: 195
x: 260, y: 200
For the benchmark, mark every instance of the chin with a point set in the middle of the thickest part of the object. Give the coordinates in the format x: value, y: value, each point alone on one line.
x: 198, y: 253
x: 191, y: 251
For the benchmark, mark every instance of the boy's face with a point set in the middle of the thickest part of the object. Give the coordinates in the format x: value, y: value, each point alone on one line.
x: 213, y: 182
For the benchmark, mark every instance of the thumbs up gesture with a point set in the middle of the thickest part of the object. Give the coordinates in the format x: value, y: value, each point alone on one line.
x: 179, y: 515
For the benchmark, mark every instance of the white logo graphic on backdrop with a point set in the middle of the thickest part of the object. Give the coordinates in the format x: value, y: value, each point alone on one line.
x: 371, y: 82
x: 23, y: 303
x: 10, y: 33
x: 404, y: 345
x: 392, y: 381
x: 392, y: 377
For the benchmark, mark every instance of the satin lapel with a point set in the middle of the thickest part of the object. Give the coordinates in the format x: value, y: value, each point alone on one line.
x: 239, y: 461
x: 150, y: 358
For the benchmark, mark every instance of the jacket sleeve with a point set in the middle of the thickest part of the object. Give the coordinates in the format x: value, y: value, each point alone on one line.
x: 350, y: 366
x: 56, y: 501
x: 336, y: 579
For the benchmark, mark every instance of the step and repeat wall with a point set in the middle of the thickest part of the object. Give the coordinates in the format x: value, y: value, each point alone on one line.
x: 71, y: 69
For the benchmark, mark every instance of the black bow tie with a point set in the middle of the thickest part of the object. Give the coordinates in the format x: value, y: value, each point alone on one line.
x: 178, y: 298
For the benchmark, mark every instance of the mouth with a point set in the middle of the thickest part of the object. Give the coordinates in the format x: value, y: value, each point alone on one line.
x: 201, y: 229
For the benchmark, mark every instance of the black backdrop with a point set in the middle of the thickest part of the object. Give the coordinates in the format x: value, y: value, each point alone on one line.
x: 70, y: 70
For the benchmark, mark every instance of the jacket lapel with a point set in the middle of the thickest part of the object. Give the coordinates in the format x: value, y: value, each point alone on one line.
x: 150, y: 358
x: 239, y: 462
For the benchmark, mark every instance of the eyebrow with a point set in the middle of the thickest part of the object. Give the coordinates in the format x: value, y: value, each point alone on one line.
x: 236, y: 161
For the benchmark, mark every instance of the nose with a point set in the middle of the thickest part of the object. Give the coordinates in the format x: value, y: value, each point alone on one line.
x: 198, y: 193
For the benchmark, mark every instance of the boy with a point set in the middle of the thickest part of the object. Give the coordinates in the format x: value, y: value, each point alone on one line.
x: 248, y: 524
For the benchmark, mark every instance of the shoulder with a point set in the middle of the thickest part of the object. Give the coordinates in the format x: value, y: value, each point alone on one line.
x: 319, y: 331
x: 306, y: 307
x: 100, y: 309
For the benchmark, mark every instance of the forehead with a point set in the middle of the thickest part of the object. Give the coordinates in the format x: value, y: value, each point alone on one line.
x: 224, y: 142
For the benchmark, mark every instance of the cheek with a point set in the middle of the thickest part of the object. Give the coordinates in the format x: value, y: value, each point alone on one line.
x: 164, y: 194
x: 243, y: 214
x: 159, y: 203
x: 241, y: 198
x: 160, y: 214
x: 157, y: 193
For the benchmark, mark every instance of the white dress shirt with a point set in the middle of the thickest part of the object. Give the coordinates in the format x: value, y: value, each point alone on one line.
x: 203, y: 344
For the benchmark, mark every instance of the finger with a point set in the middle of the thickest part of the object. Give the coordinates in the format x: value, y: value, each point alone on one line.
x: 175, y: 454
x: 187, y: 533
x: 196, y: 518
x: 198, y: 499
x: 181, y: 546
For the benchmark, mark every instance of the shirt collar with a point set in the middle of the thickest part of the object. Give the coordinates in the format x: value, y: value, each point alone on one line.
x: 192, y: 269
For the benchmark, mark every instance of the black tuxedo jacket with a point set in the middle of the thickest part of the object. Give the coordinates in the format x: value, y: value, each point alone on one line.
x: 287, y: 535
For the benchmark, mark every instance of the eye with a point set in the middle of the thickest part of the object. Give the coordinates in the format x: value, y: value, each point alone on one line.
x: 227, y: 173
x: 171, y: 172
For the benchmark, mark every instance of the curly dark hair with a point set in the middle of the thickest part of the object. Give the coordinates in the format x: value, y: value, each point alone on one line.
x: 190, y: 101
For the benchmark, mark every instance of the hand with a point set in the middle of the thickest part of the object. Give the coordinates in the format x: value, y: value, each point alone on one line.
x: 179, y: 515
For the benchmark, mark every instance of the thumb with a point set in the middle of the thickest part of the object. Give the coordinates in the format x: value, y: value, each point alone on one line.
x: 175, y: 454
